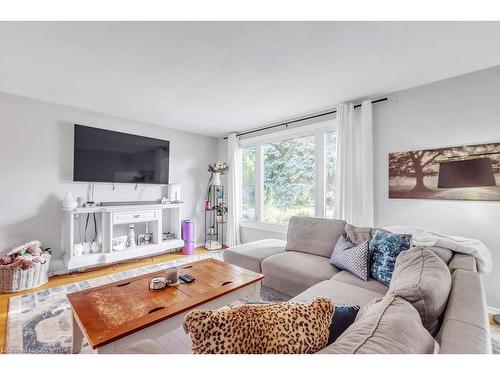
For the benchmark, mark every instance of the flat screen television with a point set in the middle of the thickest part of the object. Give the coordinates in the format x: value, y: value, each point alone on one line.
x: 107, y: 156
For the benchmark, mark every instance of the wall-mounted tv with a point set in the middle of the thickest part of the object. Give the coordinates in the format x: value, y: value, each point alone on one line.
x: 107, y: 156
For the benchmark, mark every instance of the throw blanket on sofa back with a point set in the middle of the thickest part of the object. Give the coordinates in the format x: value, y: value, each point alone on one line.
x: 424, y: 237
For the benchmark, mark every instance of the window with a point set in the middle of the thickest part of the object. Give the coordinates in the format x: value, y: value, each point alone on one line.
x: 330, y: 159
x: 248, y: 183
x: 288, y: 179
x: 288, y: 173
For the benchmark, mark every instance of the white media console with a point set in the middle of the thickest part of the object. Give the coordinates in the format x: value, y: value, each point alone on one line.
x: 111, y: 221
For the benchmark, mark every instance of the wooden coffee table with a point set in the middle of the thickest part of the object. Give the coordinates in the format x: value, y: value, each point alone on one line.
x: 113, y: 316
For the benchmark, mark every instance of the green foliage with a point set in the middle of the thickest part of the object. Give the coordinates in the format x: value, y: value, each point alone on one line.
x: 221, y: 209
x: 248, y: 183
x: 330, y: 168
x: 289, y: 172
x: 281, y: 216
x: 217, y: 167
x: 289, y: 179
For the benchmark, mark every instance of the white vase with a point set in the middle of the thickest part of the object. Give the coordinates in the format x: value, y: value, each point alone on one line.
x: 174, y: 192
x: 77, y: 249
x: 216, y: 179
x: 69, y: 201
x: 95, y: 247
x: 131, y: 236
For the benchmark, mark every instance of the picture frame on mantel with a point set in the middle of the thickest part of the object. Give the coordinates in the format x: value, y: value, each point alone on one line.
x: 470, y: 172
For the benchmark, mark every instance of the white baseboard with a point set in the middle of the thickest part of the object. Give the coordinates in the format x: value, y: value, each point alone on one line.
x: 57, y: 266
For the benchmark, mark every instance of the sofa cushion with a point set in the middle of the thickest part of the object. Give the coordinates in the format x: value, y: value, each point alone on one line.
x: 251, y: 254
x: 314, y: 235
x: 279, y: 328
x: 292, y: 272
x: 387, y: 326
x: 350, y: 257
x: 358, y: 235
x: 371, y: 284
x: 340, y: 293
x: 423, y: 279
x: 384, y: 249
x: 443, y: 253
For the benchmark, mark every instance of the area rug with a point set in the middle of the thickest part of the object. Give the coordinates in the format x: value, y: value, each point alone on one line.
x: 41, y: 322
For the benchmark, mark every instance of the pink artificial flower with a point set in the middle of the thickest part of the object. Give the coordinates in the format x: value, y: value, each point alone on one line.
x: 16, y: 250
x: 34, y: 250
x: 38, y: 259
x: 5, y: 260
x: 34, y: 247
x: 27, y: 263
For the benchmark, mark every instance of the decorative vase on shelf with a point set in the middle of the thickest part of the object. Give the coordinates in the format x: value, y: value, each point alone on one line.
x: 69, y: 201
x: 216, y: 179
x: 208, y: 205
x: 131, y: 236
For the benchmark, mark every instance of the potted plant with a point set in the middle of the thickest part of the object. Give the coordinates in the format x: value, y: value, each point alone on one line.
x: 217, y: 169
x: 220, y: 210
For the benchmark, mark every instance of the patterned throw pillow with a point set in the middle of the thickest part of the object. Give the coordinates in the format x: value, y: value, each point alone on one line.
x: 384, y: 249
x: 350, y: 257
x: 278, y: 328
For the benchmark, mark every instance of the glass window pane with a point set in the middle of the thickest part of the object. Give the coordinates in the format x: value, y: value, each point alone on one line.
x: 330, y: 158
x: 288, y: 179
x: 248, y: 184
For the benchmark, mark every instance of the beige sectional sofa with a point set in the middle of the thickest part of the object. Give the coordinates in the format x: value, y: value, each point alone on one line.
x: 300, y: 268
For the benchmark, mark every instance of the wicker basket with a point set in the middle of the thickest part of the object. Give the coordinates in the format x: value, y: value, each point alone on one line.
x: 15, y: 279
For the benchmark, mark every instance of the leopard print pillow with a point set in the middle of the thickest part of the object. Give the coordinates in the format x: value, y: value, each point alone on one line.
x: 279, y: 328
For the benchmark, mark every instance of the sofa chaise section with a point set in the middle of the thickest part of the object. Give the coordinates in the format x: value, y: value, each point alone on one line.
x: 306, y: 260
x: 251, y: 254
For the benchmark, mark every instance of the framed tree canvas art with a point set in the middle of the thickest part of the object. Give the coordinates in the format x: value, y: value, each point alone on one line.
x: 463, y: 172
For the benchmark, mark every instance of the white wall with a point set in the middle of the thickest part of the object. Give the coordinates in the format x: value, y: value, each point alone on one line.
x: 36, y: 166
x: 457, y: 111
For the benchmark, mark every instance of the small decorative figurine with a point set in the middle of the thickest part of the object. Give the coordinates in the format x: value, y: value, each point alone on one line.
x: 157, y: 283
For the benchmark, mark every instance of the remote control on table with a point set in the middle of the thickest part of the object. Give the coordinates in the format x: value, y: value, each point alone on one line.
x: 187, y: 278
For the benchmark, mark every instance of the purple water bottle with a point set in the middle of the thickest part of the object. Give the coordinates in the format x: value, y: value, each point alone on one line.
x: 187, y: 234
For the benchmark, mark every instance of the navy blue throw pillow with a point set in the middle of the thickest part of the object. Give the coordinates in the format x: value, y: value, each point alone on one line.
x: 343, y: 317
x: 384, y: 249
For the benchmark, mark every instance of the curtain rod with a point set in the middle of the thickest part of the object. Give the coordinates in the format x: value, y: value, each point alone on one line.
x: 286, y: 123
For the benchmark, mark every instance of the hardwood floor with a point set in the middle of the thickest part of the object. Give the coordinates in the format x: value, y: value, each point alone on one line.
x: 80, y: 276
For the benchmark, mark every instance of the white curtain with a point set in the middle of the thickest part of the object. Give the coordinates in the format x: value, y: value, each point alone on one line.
x: 233, y: 190
x: 354, y: 173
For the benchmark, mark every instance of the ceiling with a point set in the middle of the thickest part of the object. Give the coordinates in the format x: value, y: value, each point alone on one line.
x: 215, y: 77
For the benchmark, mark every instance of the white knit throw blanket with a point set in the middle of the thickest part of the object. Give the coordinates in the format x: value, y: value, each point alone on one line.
x: 424, y: 237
